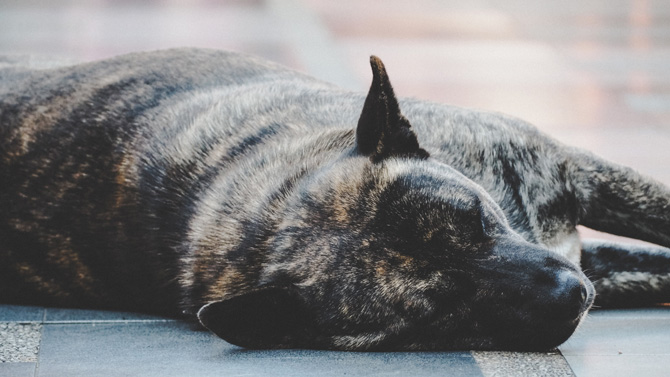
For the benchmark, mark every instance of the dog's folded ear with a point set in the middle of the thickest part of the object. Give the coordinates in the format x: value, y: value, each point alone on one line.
x: 268, y: 317
x: 382, y: 130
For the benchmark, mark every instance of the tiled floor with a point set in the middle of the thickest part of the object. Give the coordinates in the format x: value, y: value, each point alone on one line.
x: 593, y: 73
x: 65, y: 342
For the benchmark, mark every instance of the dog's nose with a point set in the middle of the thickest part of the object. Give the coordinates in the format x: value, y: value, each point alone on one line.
x: 583, y: 292
x: 574, y: 294
x: 572, y: 285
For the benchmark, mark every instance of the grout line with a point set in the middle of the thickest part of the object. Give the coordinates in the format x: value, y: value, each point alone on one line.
x: 566, y: 361
x: 39, y: 347
x: 613, y: 354
x: 510, y: 364
x: 82, y: 321
x: 313, y: 43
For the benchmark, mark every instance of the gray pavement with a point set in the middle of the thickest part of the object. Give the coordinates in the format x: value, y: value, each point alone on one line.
x: 38, y: 341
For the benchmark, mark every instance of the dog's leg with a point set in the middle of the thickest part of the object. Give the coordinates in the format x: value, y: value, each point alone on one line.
x: 627, y: 275
x: 620, y: 201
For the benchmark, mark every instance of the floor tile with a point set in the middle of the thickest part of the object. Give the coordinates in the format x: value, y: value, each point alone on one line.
x: 17, y: 369
x: 19, y: 342
x: 510, y: 364
x: 619, y: 366
x: 65, y: 315
x: 16, y: 313
x: 174, y: 349
x: 627, y: 332
x: 621, y: 343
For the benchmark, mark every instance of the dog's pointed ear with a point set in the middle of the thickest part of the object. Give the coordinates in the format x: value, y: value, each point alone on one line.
x: 268, y: 317
x: 382, y: 130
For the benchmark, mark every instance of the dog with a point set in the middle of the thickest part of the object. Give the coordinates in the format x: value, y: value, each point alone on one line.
x: 285, y: 212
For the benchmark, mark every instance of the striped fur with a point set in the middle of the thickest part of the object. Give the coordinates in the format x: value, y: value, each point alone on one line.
x: 285, y: 212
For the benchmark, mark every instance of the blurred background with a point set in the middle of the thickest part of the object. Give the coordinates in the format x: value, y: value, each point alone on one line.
x: 592, y: 73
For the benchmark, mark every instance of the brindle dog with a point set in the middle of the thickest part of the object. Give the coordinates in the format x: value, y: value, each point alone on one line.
x: 194, y: 182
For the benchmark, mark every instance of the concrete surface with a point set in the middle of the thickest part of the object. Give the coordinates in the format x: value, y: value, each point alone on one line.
x: 67, y: 342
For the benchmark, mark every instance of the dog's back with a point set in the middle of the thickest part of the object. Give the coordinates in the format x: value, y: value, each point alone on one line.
x: 103, y: 164
x: 69, y: 182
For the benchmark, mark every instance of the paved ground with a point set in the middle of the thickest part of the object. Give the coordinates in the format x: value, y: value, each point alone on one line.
x: 592, y: 73
x: 65, y: 342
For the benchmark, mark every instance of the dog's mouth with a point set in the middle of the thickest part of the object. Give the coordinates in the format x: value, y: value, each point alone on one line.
x: 535, y: 301
x: 509, y: 313
x: 501, y: 325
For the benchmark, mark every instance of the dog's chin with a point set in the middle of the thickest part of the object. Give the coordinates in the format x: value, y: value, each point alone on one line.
x: 537, y: 332
x: 529, y: 335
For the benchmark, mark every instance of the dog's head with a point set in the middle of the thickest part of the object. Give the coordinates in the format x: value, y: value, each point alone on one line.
x: 390, y: 250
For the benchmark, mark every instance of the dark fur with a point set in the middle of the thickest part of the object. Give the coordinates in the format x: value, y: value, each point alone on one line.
x: 286, y: 212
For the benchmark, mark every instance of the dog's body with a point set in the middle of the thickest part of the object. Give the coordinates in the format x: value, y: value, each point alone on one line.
x: 194, y: 181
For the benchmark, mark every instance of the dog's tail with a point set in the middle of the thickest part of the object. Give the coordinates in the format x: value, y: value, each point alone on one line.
x: 620, y: 201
